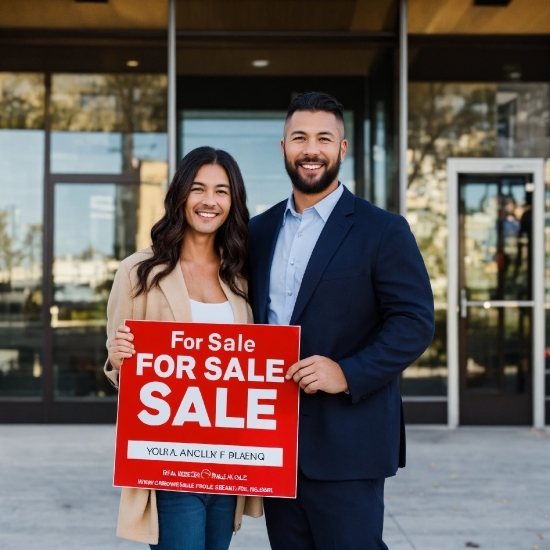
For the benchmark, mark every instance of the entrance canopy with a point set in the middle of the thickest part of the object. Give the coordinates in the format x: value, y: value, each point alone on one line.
x: 214, y: 37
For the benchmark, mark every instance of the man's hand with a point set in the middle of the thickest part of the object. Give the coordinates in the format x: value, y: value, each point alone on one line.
x: 318, y: 373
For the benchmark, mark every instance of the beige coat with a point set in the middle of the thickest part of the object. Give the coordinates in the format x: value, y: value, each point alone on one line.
x: 138, y: 518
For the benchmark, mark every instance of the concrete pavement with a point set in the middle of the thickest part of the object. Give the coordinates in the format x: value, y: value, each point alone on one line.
x: 467, y: 488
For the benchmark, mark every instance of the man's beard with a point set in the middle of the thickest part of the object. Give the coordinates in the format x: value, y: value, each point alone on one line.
x: 312, y: 188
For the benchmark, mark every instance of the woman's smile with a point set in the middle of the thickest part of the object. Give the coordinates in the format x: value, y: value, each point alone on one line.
x: 207, y: 215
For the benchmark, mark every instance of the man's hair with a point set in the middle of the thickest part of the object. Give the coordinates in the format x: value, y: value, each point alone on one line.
x: 314, y: 102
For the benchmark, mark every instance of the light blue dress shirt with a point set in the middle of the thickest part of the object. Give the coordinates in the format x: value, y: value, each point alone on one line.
x: 295, y: 243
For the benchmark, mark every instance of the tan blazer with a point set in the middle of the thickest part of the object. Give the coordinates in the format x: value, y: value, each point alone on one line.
x: 138, y: 518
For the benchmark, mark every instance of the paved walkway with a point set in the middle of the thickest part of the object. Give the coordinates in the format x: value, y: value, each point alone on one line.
x: 468, y: 488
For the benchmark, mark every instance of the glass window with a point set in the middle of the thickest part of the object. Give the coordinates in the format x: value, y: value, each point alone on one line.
x: 110, y: 124
x: 253, y: 139
x: 380, y: 182
x: 103, y: 123
x: 95, y: 227
x: 461, y: 120
x: 444, y: 120
x: 347, y: 170
x: 22, y: 101
x: 523, y: 112
x: 21, y: 185
x: 498, y: 350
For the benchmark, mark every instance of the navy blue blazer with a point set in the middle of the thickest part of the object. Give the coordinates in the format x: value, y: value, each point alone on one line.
x: 365, y: 302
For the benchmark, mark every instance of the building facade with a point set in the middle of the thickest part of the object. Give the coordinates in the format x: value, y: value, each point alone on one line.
x: 448, y: 120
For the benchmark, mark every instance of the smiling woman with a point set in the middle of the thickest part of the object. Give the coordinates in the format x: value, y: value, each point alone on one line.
x: 182, y: 230
x: 197, y: 261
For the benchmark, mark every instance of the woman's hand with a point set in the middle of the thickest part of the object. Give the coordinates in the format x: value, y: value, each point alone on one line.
x: 121, y: 347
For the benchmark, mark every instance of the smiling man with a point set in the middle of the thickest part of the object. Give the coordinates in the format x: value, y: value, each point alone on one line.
x: 350, y: 274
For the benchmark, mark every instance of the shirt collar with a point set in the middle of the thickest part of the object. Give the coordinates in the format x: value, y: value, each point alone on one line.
x: 324, y: 207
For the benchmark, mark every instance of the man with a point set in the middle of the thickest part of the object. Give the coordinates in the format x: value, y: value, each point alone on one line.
x: 350, y: 274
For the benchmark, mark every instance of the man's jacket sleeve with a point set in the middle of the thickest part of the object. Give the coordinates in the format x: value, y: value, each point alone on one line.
x: 405, y: 301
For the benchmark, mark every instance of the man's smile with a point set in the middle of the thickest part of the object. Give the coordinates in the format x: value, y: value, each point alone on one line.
x: 311, y: 166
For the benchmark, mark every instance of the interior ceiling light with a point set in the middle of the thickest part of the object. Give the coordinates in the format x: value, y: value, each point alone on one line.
x: 494, y: 3
x: 260, y: 63
x: 132, y: 63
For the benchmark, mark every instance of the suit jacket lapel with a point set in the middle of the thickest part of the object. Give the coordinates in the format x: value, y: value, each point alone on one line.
x: 271, y: 230
x: 173, y: 287
x: 334, y: 232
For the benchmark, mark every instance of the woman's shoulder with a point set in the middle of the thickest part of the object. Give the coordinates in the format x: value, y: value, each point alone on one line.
x: 137, y: 257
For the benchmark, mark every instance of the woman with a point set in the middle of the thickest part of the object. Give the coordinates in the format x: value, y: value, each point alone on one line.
x: 195, y: 270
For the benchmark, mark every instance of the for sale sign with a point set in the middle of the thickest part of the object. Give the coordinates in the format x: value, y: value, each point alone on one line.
x: 206, y: 408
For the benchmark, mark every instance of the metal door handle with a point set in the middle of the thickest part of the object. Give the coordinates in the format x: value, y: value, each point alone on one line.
x: 463, y: 303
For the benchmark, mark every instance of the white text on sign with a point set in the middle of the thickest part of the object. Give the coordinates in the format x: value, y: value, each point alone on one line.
x: 192, y: 407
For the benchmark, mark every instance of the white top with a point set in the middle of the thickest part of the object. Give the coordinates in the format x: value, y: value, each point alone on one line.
x: 212, y: 313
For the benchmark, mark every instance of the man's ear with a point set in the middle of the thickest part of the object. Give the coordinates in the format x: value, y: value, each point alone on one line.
x: 283, y: 147
x: 343, y: 149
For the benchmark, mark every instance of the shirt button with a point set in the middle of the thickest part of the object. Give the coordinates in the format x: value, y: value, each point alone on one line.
x: 289, y: 292
x: 299, y: 234
x: 291, y: 263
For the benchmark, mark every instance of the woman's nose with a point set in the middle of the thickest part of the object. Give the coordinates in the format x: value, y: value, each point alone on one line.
x: 209, y: 199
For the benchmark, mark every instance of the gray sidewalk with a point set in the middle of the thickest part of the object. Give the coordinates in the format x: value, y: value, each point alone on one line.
x: 469, y: 488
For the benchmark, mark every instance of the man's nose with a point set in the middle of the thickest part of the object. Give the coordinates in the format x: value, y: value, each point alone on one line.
x: 311, y: 148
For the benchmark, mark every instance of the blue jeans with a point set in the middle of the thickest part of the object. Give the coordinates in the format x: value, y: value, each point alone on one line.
x: 194, y: 521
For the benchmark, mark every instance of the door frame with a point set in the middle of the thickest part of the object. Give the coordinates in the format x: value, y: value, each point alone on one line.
x: 456, y: 166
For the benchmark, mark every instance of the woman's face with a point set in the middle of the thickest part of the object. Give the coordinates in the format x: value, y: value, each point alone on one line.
x: 209, y: 201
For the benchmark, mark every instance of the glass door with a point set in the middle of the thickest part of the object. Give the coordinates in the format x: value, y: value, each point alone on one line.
x: 94, y: 228
x: 98, y: 220
x: 496, y: 299
x: 106, y: 152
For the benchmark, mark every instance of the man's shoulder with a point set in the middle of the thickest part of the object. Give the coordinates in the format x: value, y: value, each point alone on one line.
x: 257, y: 222
x: 370, y: 214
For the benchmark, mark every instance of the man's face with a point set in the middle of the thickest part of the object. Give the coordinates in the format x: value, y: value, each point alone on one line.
x: 313, y: 148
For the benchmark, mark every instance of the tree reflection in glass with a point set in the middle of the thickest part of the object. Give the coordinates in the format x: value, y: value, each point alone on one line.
x: 21, y: 184
x: 445, y: 120
x: 108, y: 124
x: 95, y: 119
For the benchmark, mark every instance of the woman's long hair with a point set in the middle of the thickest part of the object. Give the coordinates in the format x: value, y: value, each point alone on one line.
x: 167, y: 234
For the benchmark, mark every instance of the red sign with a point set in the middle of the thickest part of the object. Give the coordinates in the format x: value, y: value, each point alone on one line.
x: 206, y: 408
